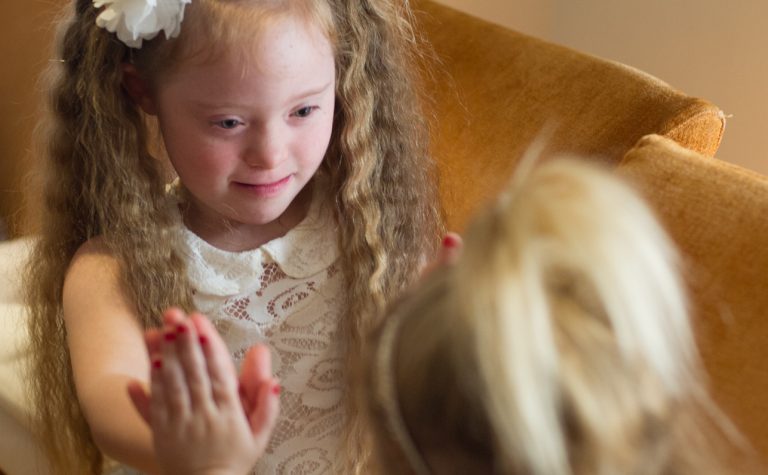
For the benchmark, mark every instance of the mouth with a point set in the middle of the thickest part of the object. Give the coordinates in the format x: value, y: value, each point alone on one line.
x: 265, y: 189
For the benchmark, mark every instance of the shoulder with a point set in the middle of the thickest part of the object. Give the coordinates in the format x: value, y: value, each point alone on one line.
x: 93, y: 258
x: 99, y: 315
x: 93, y: 275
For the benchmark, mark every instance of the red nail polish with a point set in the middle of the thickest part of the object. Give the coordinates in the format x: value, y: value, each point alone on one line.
x: 169, y: 336
x: 449, y: 241
x: 181, y: 329
x: 203, y: 340
x: 157, y: 364
x: 276, y: 389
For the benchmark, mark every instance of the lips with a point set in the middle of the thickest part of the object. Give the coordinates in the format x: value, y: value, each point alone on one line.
x: 265, y: 189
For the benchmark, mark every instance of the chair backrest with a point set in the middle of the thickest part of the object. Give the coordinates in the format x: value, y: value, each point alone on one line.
x: 718, y: 215
x: 496, y: 90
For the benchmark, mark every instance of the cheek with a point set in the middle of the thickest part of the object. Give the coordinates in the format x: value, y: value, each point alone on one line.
x: 309, y: 145
x: 317, y: 140
x: 200, y: 161
x: 180, y: 144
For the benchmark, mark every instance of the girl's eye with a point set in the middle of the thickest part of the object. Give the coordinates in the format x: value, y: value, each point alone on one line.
x: 228, y: 123
x: 304, y: 111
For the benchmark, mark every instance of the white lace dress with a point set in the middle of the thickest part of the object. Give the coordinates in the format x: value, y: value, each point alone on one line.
x: 288, y: 294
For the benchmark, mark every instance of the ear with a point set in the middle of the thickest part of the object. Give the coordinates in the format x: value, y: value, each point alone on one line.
x: 138, y: 89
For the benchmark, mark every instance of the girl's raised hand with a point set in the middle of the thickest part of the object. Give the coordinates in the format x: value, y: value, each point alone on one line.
x: 201, y: 422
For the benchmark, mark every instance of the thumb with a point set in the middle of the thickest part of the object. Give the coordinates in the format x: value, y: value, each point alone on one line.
x: 264, y: 414
x: 140, y: 399
x: 256, y: 371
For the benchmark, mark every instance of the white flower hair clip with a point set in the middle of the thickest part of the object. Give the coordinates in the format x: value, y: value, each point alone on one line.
x: 138, y: 20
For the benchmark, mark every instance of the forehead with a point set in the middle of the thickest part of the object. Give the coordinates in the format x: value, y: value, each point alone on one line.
x: 289, y: 54
x: 236, y: 30
x: 233, y: 21
x: 254, y: 40
x: 286, y: 45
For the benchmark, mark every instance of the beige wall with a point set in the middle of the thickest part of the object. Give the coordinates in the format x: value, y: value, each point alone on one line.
x: 708, y: 48
x: 534, y: 17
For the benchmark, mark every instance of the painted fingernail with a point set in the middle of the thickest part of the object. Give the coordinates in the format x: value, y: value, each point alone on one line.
x: 169, y: 336
x: 181, y: 328
x: 157, y: 363
x: 450, y: 241
x: 276, y: 389
x: 203, y: 339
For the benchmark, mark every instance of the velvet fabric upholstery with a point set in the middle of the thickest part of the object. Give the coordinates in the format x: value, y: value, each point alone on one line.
x: 717, y: 213
x: 495, y: 90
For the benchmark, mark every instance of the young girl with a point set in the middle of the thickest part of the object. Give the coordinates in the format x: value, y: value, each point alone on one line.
x: 304, y: 202
x: 558, y: 343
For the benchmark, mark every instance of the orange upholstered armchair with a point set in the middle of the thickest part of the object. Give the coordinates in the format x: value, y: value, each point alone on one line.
x: 495, y: 90
x: 504, y: 88
x: 716, y: 212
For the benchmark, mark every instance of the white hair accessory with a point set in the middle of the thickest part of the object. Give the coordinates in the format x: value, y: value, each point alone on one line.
x: 138, y: 20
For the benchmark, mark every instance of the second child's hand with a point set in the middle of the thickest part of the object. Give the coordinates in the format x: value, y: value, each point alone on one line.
x: 449, y: 251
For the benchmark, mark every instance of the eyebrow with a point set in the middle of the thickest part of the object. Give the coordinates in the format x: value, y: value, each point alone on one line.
x: 311, y: 92
x: 302, y: 95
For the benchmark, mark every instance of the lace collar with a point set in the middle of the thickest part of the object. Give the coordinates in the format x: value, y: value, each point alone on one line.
x: 310, y: 247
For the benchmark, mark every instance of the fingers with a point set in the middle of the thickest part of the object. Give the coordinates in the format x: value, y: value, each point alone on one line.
x: 153, y: 338
x: 255, y: 371
x: 220, y: 368
x: 173, y: 316
x: 192, y: 367
x: 193, y: 362
x: 159, y: 409
x: 262, y: 392
x: 179, y: 380
x: 451, y: 249
x: 263, y: 417
x: 140, y: 399
x: 194, y: 408
x: 168, y: 374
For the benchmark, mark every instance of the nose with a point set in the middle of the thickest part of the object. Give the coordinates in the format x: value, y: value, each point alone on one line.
x: 265, y: 148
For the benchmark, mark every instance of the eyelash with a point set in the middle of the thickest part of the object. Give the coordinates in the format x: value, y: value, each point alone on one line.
x: 223, y: 123
x: 308, y: 111
x: 301, y: 113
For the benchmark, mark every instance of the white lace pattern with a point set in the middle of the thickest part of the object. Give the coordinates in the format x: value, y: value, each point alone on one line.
x: 287, y: 294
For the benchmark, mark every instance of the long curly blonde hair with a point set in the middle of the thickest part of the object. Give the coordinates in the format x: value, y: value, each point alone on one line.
x: 101, y: 178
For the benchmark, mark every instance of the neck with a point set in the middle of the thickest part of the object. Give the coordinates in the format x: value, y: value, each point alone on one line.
x: 235, y: 236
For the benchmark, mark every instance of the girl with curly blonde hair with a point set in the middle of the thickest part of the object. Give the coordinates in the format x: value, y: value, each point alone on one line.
x: 304, y: 200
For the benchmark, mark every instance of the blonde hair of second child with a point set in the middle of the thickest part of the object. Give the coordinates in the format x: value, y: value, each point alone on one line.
x: 558, y: 343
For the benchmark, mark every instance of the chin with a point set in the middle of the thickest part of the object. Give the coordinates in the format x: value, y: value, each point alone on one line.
x: 260, y: 218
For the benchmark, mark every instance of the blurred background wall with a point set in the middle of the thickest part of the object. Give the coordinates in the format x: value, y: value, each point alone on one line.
x: 712, y: 49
